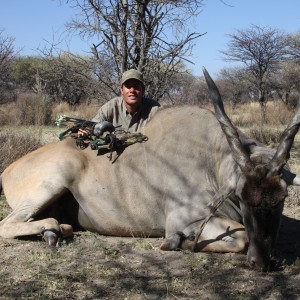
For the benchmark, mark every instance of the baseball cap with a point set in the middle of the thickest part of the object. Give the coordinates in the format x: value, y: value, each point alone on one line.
x: 132, y: 74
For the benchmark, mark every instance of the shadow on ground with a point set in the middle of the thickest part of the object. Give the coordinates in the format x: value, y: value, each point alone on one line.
x: 288, y: 244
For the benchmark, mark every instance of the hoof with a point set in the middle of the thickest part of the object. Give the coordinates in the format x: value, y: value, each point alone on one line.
x: 173, y: 242
x: 165, y: 246
x: 52, y: 238
x: 66, y: 230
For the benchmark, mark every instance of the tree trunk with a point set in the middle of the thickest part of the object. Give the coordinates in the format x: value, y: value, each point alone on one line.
x: 263, y: 105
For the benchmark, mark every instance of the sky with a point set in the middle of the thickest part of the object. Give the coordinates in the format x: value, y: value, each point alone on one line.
x: 36, y: 23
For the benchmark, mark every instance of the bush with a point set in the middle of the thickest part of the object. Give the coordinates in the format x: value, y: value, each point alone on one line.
x: 34, y: 109
x: 82, y: 111
x: 14, y: 145
x: 8, y: 113
x: 265, y: 135
x: 245, y: 115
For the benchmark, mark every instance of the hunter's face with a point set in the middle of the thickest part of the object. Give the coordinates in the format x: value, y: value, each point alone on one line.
x: 132, y: 91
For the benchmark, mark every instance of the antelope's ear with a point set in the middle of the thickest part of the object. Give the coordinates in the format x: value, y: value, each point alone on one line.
x: 290, y: 178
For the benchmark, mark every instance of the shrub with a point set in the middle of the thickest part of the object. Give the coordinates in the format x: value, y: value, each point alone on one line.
x: 14, y: 145
x: 8, y: 113
x: 61, y: 108
x: 246, y: 115
x: 82, y: 111
x: 266, y: 135
x: 34, y: 109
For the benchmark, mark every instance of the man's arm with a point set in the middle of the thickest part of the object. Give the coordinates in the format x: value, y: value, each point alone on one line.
x: 104, y: 115
x: 100, y: 116
x: 106, y: 112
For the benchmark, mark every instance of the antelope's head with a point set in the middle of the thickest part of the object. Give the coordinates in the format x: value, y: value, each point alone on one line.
x: 262, y: 186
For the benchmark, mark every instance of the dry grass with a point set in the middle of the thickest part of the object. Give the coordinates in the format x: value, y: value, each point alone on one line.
x: 245, y: 115
x: 31, y: 109
x: 18, y: 137
x: 8, y: 113
x: 82, y: 111
x: 248, y: 118
x: 15, y: 144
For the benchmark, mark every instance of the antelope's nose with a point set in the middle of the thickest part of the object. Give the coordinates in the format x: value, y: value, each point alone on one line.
x: 258, y: 260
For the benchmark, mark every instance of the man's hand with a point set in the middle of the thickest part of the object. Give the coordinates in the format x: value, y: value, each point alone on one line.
x: 83, y: 132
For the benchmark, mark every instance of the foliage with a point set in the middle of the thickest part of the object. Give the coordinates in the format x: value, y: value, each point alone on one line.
x: 68, y: 78
x: 234, y: 85
x: 24, y: 70
x: 63, y: 78
x: 281, y: 80
x: 15, y: 144
x: 293, y: 41
x: 271, y: 61
x: 150, y: 36
x: 286, y: 83
x: 261, y: 50
x: 265, y: 135
x: 33, y: 109
x: 7, y: 53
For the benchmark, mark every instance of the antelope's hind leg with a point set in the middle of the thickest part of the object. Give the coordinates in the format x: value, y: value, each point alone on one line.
x: 34, y: 183
x: 25, y: 219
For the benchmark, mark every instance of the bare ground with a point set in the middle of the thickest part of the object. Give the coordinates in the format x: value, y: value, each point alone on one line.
x: 91, y: 266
